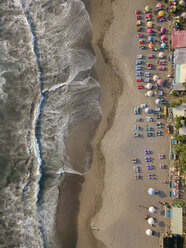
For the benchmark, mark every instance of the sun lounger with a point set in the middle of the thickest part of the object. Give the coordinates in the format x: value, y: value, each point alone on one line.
x: 169, y: 213
x: 138, y: 73
x: 139, y: 56
x: 171, y: 185
x: 171, y: 194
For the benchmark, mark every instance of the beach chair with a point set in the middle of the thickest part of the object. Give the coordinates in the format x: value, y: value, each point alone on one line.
x: 138, y: 119
x: 138, y: 67
x: 162, y: 166
x: 147, y: 80
x: 138, y: 62
x: 136, y: 127
x: 169, y: 213
x: 147, y: 74
x: 149, y: 118
x: 143, y: 105
x: 138, y: 73
x: 171, y: 194
x: 139, y: 56
x: 138, y: 79
x: 148, y: 128
x: 172, y: 155
x: 136, y: 135
x: 171, y: 185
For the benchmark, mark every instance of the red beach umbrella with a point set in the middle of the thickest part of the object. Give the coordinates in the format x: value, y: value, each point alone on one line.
x: 163, y: 37
x: 149, y: 15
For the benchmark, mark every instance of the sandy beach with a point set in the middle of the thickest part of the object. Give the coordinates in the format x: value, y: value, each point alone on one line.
x: 110, y: 198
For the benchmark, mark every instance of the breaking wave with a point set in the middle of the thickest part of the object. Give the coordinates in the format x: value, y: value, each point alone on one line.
x: 49, y: 111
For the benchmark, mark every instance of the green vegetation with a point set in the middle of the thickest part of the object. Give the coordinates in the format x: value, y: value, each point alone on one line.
x: 178, y: 203
x: 179, y: 7
x: 176, y: 104
x: 178, y: 122
x: 165, y: 1
x: 180, y: 151
x: 181, y: 20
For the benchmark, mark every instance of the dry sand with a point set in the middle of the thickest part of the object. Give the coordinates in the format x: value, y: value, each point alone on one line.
x: 111, y: 199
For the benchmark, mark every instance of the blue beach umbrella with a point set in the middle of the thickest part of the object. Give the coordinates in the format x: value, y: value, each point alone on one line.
x: 163, y: 45
x: 151, y: 38
x: 151, y: 191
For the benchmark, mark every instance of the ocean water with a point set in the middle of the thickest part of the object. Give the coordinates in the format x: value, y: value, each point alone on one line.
x: 49, y: 111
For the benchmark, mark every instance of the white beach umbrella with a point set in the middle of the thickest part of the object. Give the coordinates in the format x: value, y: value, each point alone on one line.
x: 184, y: 15
x: 149, y: 232
x: 161, y: 55
x: 151, y: 191
x: 158, y: 101
x: 182, y: 2
x: 147, y: 110
x: 149, y: 93
x: 149, y: 86
x: 150, y: 221
x: 151, y: 209
x: 155, y: 77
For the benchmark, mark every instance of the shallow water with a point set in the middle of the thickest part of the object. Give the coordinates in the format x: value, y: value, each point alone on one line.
x: 49, y: 112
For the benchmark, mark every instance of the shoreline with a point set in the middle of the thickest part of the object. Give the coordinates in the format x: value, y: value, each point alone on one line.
x: 108, y: 197
x: 109, y: 91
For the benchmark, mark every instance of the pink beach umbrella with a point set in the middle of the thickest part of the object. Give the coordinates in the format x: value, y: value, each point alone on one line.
x: 150, y: 30
x: 182, y: 2
x: 184, y: 15
x: 163, y: 37
x: 159, y: 5
x: 163, y: 30
x: 160, y: 82
x: 161, y: 55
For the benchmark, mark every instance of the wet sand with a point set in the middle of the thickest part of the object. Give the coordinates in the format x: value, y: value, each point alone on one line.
x: 110, y: 198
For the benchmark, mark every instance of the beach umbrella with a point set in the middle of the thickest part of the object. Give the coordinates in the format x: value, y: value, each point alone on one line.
x: 149, y: 15
x: 147, y: 8
x: 163, y: 37
x: 149, y: 24
x: 160, y: 13
x: 151, y: 191
x: 150, y: 30
x: 155, y: 77
x: 160, y: 82
x: 151, y: 38
x: 161, y: 55
x: 182, y: 2
x: 151, y: 45
x: 149, y: 232
x: 151, y: 209
x: 159, y: 5
x: 184, y: 15
x: 149, y: 86
x: 147, y: 110
x: 158, y: 101
x: 163, y: 45
x: 149, y: 93
x: 163, y: 30
x: 151, y: 221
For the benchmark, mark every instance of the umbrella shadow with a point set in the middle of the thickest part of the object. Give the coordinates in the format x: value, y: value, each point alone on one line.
x: 162, y: 194
x: 157, y: 234
x: 162, y: 212
x: 161, y: 224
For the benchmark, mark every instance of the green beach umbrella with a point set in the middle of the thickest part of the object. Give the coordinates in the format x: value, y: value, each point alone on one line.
x: 147, y: 8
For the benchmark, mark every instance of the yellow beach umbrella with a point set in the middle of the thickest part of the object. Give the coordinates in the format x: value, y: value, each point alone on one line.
x: 160, y: 13
x: 149, y: 24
